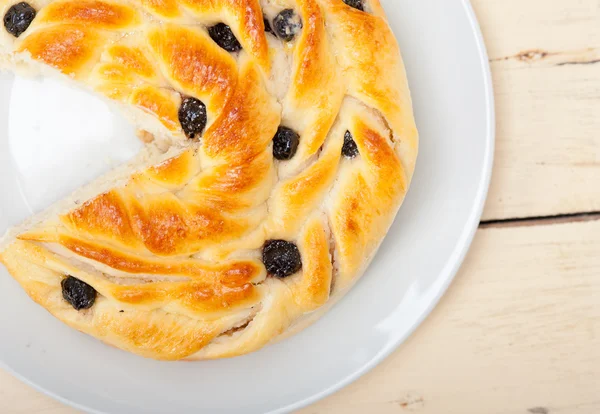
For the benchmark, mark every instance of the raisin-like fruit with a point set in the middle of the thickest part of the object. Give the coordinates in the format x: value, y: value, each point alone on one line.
x: 18, y: 18
x: 224, y: 37
x: 349, y: 149
x: 78, y: 293
x: 287, y: 24
x: 268, y: 28
x: 285, y: 143
x: 357, y: 4
x: 281, y: 258
x: 192, y: 117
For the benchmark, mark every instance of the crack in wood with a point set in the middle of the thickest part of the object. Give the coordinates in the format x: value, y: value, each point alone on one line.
x: 590, y: 62
x: 411, y: 403
x: 541, y: 220
x: 525, y: 56
x: 588, y: 56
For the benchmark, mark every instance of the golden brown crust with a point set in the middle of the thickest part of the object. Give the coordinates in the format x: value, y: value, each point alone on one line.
x: 161, y: 103
x: 175, y: 252
x: 194, y: 64
x: 102, y: 15
x: 69, y: 48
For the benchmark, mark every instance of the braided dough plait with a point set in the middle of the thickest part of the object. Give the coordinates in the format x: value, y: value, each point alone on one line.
x: 174, y: 243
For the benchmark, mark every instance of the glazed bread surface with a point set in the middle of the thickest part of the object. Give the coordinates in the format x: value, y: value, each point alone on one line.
x: 277, y: 187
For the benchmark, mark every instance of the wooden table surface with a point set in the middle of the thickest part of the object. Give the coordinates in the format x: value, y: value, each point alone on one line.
x: 519, y: 330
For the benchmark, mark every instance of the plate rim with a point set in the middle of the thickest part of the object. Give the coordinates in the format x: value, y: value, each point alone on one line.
x: 462, y: 246
x: 449, y: 273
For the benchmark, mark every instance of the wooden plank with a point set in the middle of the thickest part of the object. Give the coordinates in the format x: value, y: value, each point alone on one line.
x: 518, y: 330
x: 545, y: 58
x: 18, y: 398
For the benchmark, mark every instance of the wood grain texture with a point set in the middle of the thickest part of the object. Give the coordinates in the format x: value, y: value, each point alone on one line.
x: 18, y: 398
x: 519, y: 330
x: 545, y: 59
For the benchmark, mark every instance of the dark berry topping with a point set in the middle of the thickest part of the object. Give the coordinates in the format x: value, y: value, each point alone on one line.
x: 287, y: 24
x: 192, y: 117
x: 349, y: 149
x: 78, y: 293
x: 285, y: 143
x: 357, y: 4
x: 281, y: 258
x: 268, y: 28
x: 224, y: 37
x: 18, y: 18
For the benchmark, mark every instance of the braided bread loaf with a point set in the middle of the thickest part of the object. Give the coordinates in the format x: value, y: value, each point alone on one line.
x: 291, y: 144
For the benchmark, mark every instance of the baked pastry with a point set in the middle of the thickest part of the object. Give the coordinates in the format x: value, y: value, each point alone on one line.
x: 284, y: 146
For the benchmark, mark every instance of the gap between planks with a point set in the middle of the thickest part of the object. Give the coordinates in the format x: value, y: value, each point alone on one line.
x: 541, y: 221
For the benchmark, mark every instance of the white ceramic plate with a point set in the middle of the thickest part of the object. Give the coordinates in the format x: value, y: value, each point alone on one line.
x: 54, y: 138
